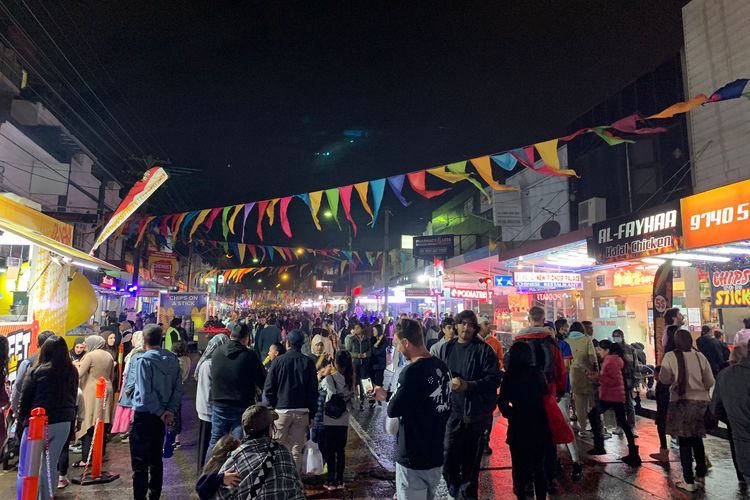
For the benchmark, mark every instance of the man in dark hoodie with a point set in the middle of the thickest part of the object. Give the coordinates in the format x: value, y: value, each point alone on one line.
x: 267, y: 336
x: 156, y: 396
x: 475, y: 377
x: 291, y: 389
x: 236, y: 374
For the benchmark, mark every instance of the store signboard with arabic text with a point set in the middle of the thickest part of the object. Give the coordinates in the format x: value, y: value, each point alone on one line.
x: 542, y: 282
x: 731, y: 287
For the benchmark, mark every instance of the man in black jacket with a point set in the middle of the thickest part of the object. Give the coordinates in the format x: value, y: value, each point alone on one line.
x: 291, y: 389
x: 236, y: 374
x: 711, y: 349
x: 475, y: 377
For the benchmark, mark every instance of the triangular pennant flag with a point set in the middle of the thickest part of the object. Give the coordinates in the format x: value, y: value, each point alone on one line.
x: 575, y: 134
x: 210, y: 219
x: 377, y: 187
x: 447, y: 175
x: 609, y: 137
x: 187, y: 222
x: 288, y: 252
x: 484, y: 168
x: 248, y: 209
x: 261, y: 212
x: 271, y: 253
x: 280, y: 251
x: 262, y: 249
x: 345, y: 195
x: 418, y: 183
x: 224, y: 224
x: 332, y: 195
x: 306, y: 198
x: 731, y: 90
x: 315, y: 198
x: 361, y: 188
x: 459, y: 167
x: 176, y: 223
x: 252, y: 251
x: 283, y: 216
x: 142, y: 230
x: 225, y: 246
x: 629, y: 126
x: 162, y: 225
x: 506, y: 161
x: 237, y: 209
x: 269, y: 210
x: 397, y: 184
x: 548, y: 152
x: 234, y: 248
x: 681, y: 107
x: 198, y: 221
x: 241, y: 252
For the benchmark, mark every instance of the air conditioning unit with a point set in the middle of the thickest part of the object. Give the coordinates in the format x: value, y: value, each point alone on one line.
x: 591, y: 211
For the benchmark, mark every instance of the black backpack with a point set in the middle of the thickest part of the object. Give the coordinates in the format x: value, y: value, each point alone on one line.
x: 336, y: 406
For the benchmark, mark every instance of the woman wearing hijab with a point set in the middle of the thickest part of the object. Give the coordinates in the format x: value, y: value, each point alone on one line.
x: 203, y: 395
x: 79, y: 349
x: 124, y: 411
x: 96, y: 363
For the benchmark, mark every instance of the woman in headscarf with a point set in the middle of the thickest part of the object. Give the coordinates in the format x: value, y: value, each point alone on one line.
x: 203, y: 395
x: 96, y: 363
x: 124, y: 410
x: 79, y: 349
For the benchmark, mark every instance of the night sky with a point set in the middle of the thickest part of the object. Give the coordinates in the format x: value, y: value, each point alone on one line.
x: 254, y: 97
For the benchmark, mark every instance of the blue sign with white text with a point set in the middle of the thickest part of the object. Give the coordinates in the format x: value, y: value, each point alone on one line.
x: 501, y: 280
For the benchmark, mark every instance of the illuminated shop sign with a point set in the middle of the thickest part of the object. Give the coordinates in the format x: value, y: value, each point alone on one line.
x: 551, y: 296
x: 468, y: 293
x: 641, y: 234
x: 540, y: 282
x: 622, y: 279
x: 721, y: 215
x: 731, y: 288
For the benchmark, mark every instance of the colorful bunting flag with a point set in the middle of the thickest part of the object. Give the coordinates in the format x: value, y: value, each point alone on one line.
x: 731, y: 90
x: 224, y: 222
x: 237, y: 209
x: 397, y: 184
x: 210, y: 220
x: 198, y: 221
x: 459, y: 168
x: 484, y: 168
x: 361, y: 188
x: 270, y: 212
x: 345, y: 195
x: 248, y: 209
x: 377, y: 187
x: 283, y: 216
x: 315, y: 198
x: 332, y: 195
x: 418, y: 181
x: 261, y: 212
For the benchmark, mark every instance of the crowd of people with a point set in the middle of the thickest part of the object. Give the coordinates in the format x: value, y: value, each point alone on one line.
x: 267, y: 382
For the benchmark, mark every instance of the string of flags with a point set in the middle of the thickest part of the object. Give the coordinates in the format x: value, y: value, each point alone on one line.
x: 261, y: 253
x: 542, y: 157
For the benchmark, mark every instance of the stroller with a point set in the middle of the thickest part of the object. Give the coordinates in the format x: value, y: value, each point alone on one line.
x: 9, y: 451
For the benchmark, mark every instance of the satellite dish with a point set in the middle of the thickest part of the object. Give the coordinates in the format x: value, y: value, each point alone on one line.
x: 550, y: 229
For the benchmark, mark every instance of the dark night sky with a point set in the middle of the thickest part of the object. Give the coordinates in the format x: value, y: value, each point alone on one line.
x: 264, y: 87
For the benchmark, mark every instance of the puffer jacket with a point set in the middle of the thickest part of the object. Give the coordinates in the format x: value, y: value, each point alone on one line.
x: 611, y: 381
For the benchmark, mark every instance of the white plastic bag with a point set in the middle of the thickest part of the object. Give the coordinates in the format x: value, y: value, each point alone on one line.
x: 313, y: 458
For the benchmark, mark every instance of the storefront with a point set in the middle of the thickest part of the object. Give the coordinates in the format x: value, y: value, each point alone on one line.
x: 41, y: 287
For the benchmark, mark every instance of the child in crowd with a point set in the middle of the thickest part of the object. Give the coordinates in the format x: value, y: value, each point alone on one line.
x: 180, y: 350
x: 211, y: 480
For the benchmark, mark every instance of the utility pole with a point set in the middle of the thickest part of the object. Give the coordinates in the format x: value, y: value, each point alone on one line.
x: 349, y: 287
x: 386, y: 276
x: 190, y: 267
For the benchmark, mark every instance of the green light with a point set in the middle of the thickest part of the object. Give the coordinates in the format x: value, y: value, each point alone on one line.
x: 255, y: 260
x: 327, y: 214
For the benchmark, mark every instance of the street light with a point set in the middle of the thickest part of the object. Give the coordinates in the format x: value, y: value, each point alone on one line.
x: 260, y: 280
x: 327, y: 214
x: 255, y: 260
x: 284, y: 277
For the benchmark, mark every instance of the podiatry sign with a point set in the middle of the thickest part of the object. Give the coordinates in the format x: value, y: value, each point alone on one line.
x: 637, y: 235
x: 731, y: 287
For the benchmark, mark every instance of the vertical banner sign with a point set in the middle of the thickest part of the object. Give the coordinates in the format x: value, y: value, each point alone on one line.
x: 192, y: 305
x: 662, y: 300
x: 139, y: 193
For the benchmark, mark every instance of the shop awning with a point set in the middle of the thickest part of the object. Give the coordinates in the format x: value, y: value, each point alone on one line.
x: 74, y: 256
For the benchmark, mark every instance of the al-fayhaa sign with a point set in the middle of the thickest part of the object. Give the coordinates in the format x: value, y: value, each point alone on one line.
x: 641, y: 234
x: 468, y: 293
x: 541, y: 282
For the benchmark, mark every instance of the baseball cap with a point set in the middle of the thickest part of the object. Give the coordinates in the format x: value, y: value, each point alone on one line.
x: 258, y: 418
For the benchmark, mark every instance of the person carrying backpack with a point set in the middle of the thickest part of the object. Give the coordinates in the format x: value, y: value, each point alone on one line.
x: 339, y: 388
x: 547, y: 357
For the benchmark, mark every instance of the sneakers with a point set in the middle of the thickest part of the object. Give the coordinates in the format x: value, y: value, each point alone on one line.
x: 618, y: 431
x: 73, y: 448
x: 62, y: 482
x: 687, y: 486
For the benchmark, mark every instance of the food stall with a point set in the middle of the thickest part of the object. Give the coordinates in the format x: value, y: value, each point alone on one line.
x: 41, y: 287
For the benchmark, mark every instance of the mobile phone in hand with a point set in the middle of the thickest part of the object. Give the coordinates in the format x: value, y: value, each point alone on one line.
x: 367, y: 384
